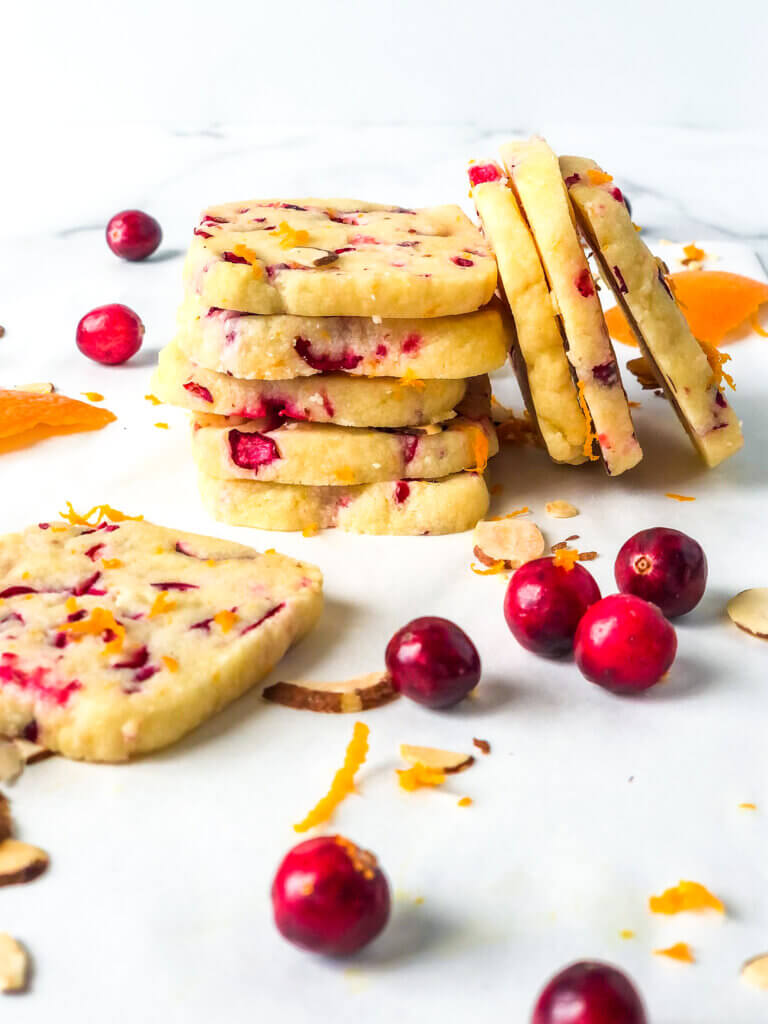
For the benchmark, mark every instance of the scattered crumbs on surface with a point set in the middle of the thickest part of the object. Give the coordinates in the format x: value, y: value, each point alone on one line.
x: 162, y: 426
x: 685, y: 896
x: 680, y: 951
x: 92, y: 396
x: 466, y: 801
x: 153, y: 399
x: 748, y: 807
x: 678, y: 497
x: 626, y: 933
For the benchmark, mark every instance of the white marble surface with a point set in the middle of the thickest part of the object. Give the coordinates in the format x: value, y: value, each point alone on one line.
x: 155, y: 908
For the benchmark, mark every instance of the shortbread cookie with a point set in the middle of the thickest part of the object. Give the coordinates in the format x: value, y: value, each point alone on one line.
x: 638, y: 282
x: 118, y: 639
x: 339, y: 257
x: 329, y: 398
x: 398, y: 507
x: 284, y: 347
x: 535, y: 177
x: 544, y: 370
x: 319, y: 454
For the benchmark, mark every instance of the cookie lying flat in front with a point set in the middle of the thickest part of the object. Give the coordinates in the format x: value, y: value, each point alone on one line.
x: 120, y: 638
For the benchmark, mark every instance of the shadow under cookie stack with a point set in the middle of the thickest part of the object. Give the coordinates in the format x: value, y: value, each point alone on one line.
x: 334, y: 355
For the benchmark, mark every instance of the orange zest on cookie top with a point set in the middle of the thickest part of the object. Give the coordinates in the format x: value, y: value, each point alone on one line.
x: 597, y: 177
x: 170, y: 663
x: 101, y: 622
x: 111, y: 563
x: 161, y: 605
x: 713, y: 302
x: 679, y: 951
x: 588, y: 449
x: 250, y: 257
x: 480, y: 449
x: 410, y: 380
x: 289, y: 237
x: 679, y: 497
x: 21, y: 411
x: 419, y: 776
x: 225, y: 619
x: 565, y: 558
x: 95, y: 515
x: 685, y: 896
x: 343, y: 782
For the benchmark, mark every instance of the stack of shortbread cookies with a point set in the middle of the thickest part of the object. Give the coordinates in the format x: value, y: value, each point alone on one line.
x: 334, y: 355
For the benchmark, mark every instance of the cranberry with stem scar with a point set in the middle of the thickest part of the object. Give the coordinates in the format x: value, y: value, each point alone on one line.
x: 544, y: 603
x: 133, y: 235
x: 624, y: 644
x: 433, y: 661
x: 330, y: 897
x: 664, y: 566
x: 589, y: 992
x: 110, y: 334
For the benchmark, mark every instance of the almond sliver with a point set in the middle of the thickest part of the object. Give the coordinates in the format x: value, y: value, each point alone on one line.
x: 347, y: 695
x: 11, y: 761
x: 513, y: 541
x: 446, y: 761
x: 749, y: 611
x: 20, y: 862
x: 755, y: 971
x: 561, y: 509
x: 13, y: 964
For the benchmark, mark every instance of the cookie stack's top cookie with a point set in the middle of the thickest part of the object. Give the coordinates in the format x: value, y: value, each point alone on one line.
x: 339, y: 350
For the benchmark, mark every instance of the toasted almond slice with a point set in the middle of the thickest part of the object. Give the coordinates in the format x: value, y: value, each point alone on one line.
x: 310, y: 256
x: 36, y: 388
x: 13, y: 964
x: 446, y: 761
x: 643, y: 372
x: 31, y: 752
x: 749, y: 610
x: 755, y: 971
x: 561, y: 509
x: 6, y: 824
x: 512, y: 541
x: 20, y: 862
x: 11, y: 761
x: 359, y: 694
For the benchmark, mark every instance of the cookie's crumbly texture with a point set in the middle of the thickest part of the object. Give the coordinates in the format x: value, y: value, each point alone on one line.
x: 321, y: 454
x: 637, y: 281
x: 339, y: 257
x: 119, y: 639
x: 284, y: 347
x: 329, y: 398
x: 539, y: 188
x: 545, y: 373
x: 398, y: 507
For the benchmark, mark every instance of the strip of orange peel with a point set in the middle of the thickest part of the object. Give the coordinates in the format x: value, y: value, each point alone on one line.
x: 343, y: 782
x: 100, y: 512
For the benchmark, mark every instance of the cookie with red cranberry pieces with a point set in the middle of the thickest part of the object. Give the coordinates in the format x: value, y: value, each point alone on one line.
x: 118, y: 639
x: 339, y: 257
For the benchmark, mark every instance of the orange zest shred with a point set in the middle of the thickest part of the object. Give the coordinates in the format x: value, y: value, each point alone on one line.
x: 111, y: 563
x: 289, y: 237
x: 685, y: 896
x: 419, y: 776
x: 679, y: 497
x: 170, y: 663
x: 716, y: 358
x: 47, y: 413
x: 98, y: 622
x: 95, y: 515
x: 597, y: 177
x: 225, y: 619
x: 310, y: 531
x: 162, y: 426
x: 565, y: 558
x: 693, y: 252
x: 748, y: 807
x: 480, y: 449
x: 343, y: 781
x: 70, y: 605
x: 492, y: 570
x: 153, y: 399
x: 92, y: 396
x: 714, y: 302
x: 466, y: 801
x: 679, y: 951
x: 626, y: 933
x: 250, y: 257
x: 591, y: 437
x: 161, y: 605
x: 410, y: 380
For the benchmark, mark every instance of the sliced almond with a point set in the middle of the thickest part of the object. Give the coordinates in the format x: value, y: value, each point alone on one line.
x: 755, y: 971
x: 512, y: 541
x: 20, y: 862
x: 13, y: 964
x: 31, y: 752
x: 309, y: 256
x: 561, y: 509
x: 749, y: 610
x: 359, y: 694
x: 11, y: 761
x: 446, y: 761
x: 36, y: 388
x: 6, y: 824
x: 643, y: 372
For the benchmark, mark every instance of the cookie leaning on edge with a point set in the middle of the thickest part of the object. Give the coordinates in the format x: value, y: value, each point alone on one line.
x: 535, y: 177
x: 542, y: 366
x: 339, y: 257
x: 637, y: 281
x: 119, y: 639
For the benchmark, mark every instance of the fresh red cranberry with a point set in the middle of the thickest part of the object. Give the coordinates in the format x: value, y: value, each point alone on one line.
x: 624, y: 644
x: 544, y: 603
x: 589, y: 993
x: 133, y: 235
x: 110, y: 334
x: 330, y: 897
x: 664, y: 566
x: 479, y: 173
x: 433, y: 661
